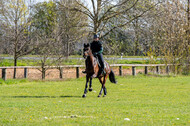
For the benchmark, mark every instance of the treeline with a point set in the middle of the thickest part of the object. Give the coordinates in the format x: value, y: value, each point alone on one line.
x: 59, y: 28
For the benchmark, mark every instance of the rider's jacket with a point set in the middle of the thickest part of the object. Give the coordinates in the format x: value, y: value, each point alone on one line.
x: 96, y: 47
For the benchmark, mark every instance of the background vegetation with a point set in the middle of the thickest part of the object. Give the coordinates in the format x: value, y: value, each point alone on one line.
x: 132, y: 27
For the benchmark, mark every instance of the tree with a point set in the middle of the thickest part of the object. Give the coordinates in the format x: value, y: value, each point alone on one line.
x: 102, y: 11
x: 71, y: 26
x: 15, y: 22
x: 168, y: 31
x: 188, y: 38
x: 130, y: 28
x: 57, y: 29
x: 106, y: 16
x: 44, y: 22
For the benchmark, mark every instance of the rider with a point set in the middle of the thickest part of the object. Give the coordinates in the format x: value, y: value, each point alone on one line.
x: 97, y: 49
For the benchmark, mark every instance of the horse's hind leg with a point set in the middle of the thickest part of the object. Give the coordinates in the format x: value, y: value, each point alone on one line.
x: 105, y: 91
x: 100, y: 92
x: 90, y: 86
x: 86, y: 86
x: 101, y: 81
x: 104, y: 87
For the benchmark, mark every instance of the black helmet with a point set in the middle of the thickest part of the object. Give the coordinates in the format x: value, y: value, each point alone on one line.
x: 96, y: 36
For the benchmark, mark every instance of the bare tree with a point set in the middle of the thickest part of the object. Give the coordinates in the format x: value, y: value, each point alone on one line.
x: 102, y: 11
x: 49, y: 54
x: 15, y: 21
x: 57, y: 29
x: 72, y: 26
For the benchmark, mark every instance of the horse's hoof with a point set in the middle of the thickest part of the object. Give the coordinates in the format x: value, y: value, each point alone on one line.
x: 90, y: 89
x: 99, y: 96
x: 84, y: 95
x: 104, y: 96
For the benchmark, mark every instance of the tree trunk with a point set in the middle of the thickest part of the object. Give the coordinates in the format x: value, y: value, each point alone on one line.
x: 188, y: 38
x: 43, y: 71
x: 15, y: 64
x: 68, y: 49
x: 60, y: 72
x: 136, y: 38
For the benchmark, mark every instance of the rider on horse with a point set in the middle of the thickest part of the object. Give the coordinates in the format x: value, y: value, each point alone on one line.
x: 97, y: 49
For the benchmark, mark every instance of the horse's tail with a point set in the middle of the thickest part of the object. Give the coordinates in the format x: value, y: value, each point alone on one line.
x: 112, y: 77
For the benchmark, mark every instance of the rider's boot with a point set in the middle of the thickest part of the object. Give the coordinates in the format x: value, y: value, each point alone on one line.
x: 84, y: 72
x: 101, y: 73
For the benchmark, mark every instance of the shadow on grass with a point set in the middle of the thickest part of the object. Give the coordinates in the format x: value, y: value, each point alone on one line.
x: 67, y: 96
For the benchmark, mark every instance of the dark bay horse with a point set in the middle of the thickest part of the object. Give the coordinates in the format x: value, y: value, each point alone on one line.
x: 92, y: 71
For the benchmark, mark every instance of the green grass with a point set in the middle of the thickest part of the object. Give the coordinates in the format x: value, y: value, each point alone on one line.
x: 23, y: 62
x: 26, y: 62
x: 150, y: 101
x: 76, y: 56
x: 30, y: 62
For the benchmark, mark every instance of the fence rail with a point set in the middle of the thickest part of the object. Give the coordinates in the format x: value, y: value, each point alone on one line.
x: 4, y: 73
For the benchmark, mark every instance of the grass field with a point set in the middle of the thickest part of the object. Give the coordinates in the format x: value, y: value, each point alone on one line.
x: 32, y: 62
x: 141, y: 100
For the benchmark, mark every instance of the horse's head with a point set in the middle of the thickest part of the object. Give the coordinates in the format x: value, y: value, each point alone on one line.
x: 86, y: 50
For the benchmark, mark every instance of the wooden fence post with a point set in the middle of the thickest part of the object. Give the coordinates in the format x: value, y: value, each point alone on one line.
x: 167, y: 69
x: 120, y: 70
x: 4, y: 72
x: 157, y: 69
x: 61, y: 73
x: 77, y: 72
x: 133, y: 70
x: 146, y: 70
x: 25, y: 72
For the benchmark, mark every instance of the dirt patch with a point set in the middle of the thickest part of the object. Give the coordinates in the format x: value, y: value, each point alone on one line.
x: 36, y: 74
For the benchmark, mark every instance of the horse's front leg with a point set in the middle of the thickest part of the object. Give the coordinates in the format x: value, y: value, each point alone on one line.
x: 90, y: 86
x: 104, y: 87
x: 86, y: 86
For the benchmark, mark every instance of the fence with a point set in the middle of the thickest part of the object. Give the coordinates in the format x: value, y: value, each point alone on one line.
x: 120, y: 66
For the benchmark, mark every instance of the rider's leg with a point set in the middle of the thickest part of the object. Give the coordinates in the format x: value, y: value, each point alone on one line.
x: 101, y: 61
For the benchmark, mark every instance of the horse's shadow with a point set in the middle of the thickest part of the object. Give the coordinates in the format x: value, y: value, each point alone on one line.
x: 66, y: 96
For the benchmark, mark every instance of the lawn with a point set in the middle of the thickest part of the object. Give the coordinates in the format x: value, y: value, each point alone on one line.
x: 32, y: 62
x: 140, y: 100
x: 24, y: 62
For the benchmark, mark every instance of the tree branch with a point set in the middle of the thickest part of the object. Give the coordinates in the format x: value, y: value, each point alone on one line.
x: 121, y: 25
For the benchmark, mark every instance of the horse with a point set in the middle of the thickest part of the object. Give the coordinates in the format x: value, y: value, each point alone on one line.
x: 92, y: 71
